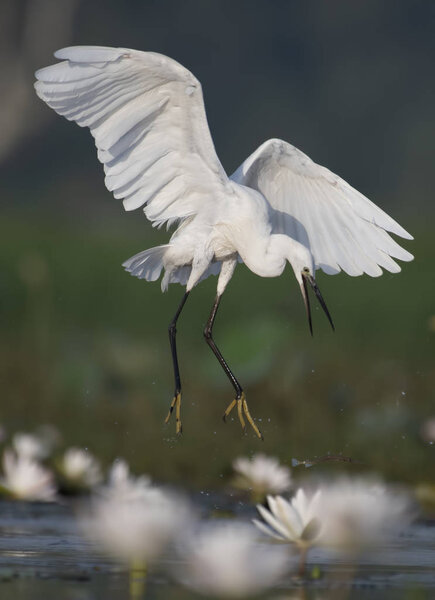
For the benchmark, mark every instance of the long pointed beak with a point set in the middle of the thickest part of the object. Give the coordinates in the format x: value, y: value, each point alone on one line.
x: 308, y: 278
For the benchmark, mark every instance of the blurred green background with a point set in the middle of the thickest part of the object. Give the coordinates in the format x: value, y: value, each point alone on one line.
x: 84, y: 345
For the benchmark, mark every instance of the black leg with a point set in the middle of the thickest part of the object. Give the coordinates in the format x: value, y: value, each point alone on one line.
x: 208, y: 334
x: 240, y: 400
x: 176, y: 401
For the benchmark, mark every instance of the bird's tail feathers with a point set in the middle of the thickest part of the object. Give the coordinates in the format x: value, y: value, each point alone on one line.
x: 148, y: 264
x: 182, y: 273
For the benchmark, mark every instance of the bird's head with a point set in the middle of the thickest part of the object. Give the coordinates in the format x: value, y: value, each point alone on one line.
x: 302, y: 263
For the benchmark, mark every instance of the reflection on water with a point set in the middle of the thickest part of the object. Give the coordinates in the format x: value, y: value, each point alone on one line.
x: 42, y: 555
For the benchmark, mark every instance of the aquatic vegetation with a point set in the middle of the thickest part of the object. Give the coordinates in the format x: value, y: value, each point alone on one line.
x: 296, y: 521
x: 122, y: 484
x: 356, y: 514
x: 261, y: 475
x: 226, y: 561
x: 132, y: 520
x: 79, y: 470
x: 136, y: 522
x: 31, y: 446
x: 25, y: 479
x: 347, y: 514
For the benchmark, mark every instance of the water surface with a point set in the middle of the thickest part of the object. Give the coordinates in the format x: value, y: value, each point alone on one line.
x: 43, y: 555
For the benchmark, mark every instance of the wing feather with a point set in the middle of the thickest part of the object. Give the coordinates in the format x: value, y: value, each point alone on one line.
x: 343, y: 229
x: 146, y: 114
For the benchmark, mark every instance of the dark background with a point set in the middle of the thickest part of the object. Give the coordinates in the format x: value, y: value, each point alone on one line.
x: 84, y: 345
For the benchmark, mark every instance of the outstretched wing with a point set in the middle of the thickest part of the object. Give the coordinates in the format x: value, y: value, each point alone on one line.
x: 146, y: 113
x: 342, y: 228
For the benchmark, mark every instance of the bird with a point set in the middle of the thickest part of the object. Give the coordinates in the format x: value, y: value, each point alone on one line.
x: 146, y: 114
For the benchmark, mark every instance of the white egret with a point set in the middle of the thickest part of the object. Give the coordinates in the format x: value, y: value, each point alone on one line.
x: 146, y: 114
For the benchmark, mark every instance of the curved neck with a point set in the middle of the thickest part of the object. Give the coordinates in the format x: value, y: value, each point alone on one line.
x: 268, y: 257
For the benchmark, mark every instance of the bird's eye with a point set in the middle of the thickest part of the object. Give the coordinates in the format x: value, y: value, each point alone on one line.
x: 306, y: 270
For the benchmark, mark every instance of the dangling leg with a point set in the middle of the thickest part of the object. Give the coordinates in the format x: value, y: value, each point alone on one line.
x: 239, y: 400
x: 176, y: 401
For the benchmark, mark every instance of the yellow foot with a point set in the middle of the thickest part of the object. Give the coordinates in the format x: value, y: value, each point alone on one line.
x: 176, y: 403
x: 242, y: 409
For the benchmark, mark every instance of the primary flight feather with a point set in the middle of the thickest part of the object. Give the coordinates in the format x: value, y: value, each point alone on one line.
x: 146, y: 113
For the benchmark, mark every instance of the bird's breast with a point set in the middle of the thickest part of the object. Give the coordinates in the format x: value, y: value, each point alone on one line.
x: 222, y: 242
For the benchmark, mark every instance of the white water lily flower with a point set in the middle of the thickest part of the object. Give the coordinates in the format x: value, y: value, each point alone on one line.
x: 132, y: 520
x: 357, y: 514
x: 296, y: 521
x: 80, y: 469
x: 26, y: 479
x: 226, y: 561
x: 124, y: 485
x: 261, y: 475
x: 30, y: 446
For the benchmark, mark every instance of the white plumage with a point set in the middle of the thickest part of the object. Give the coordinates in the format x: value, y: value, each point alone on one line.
x: 146, y: 114
x: 342, y: 228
